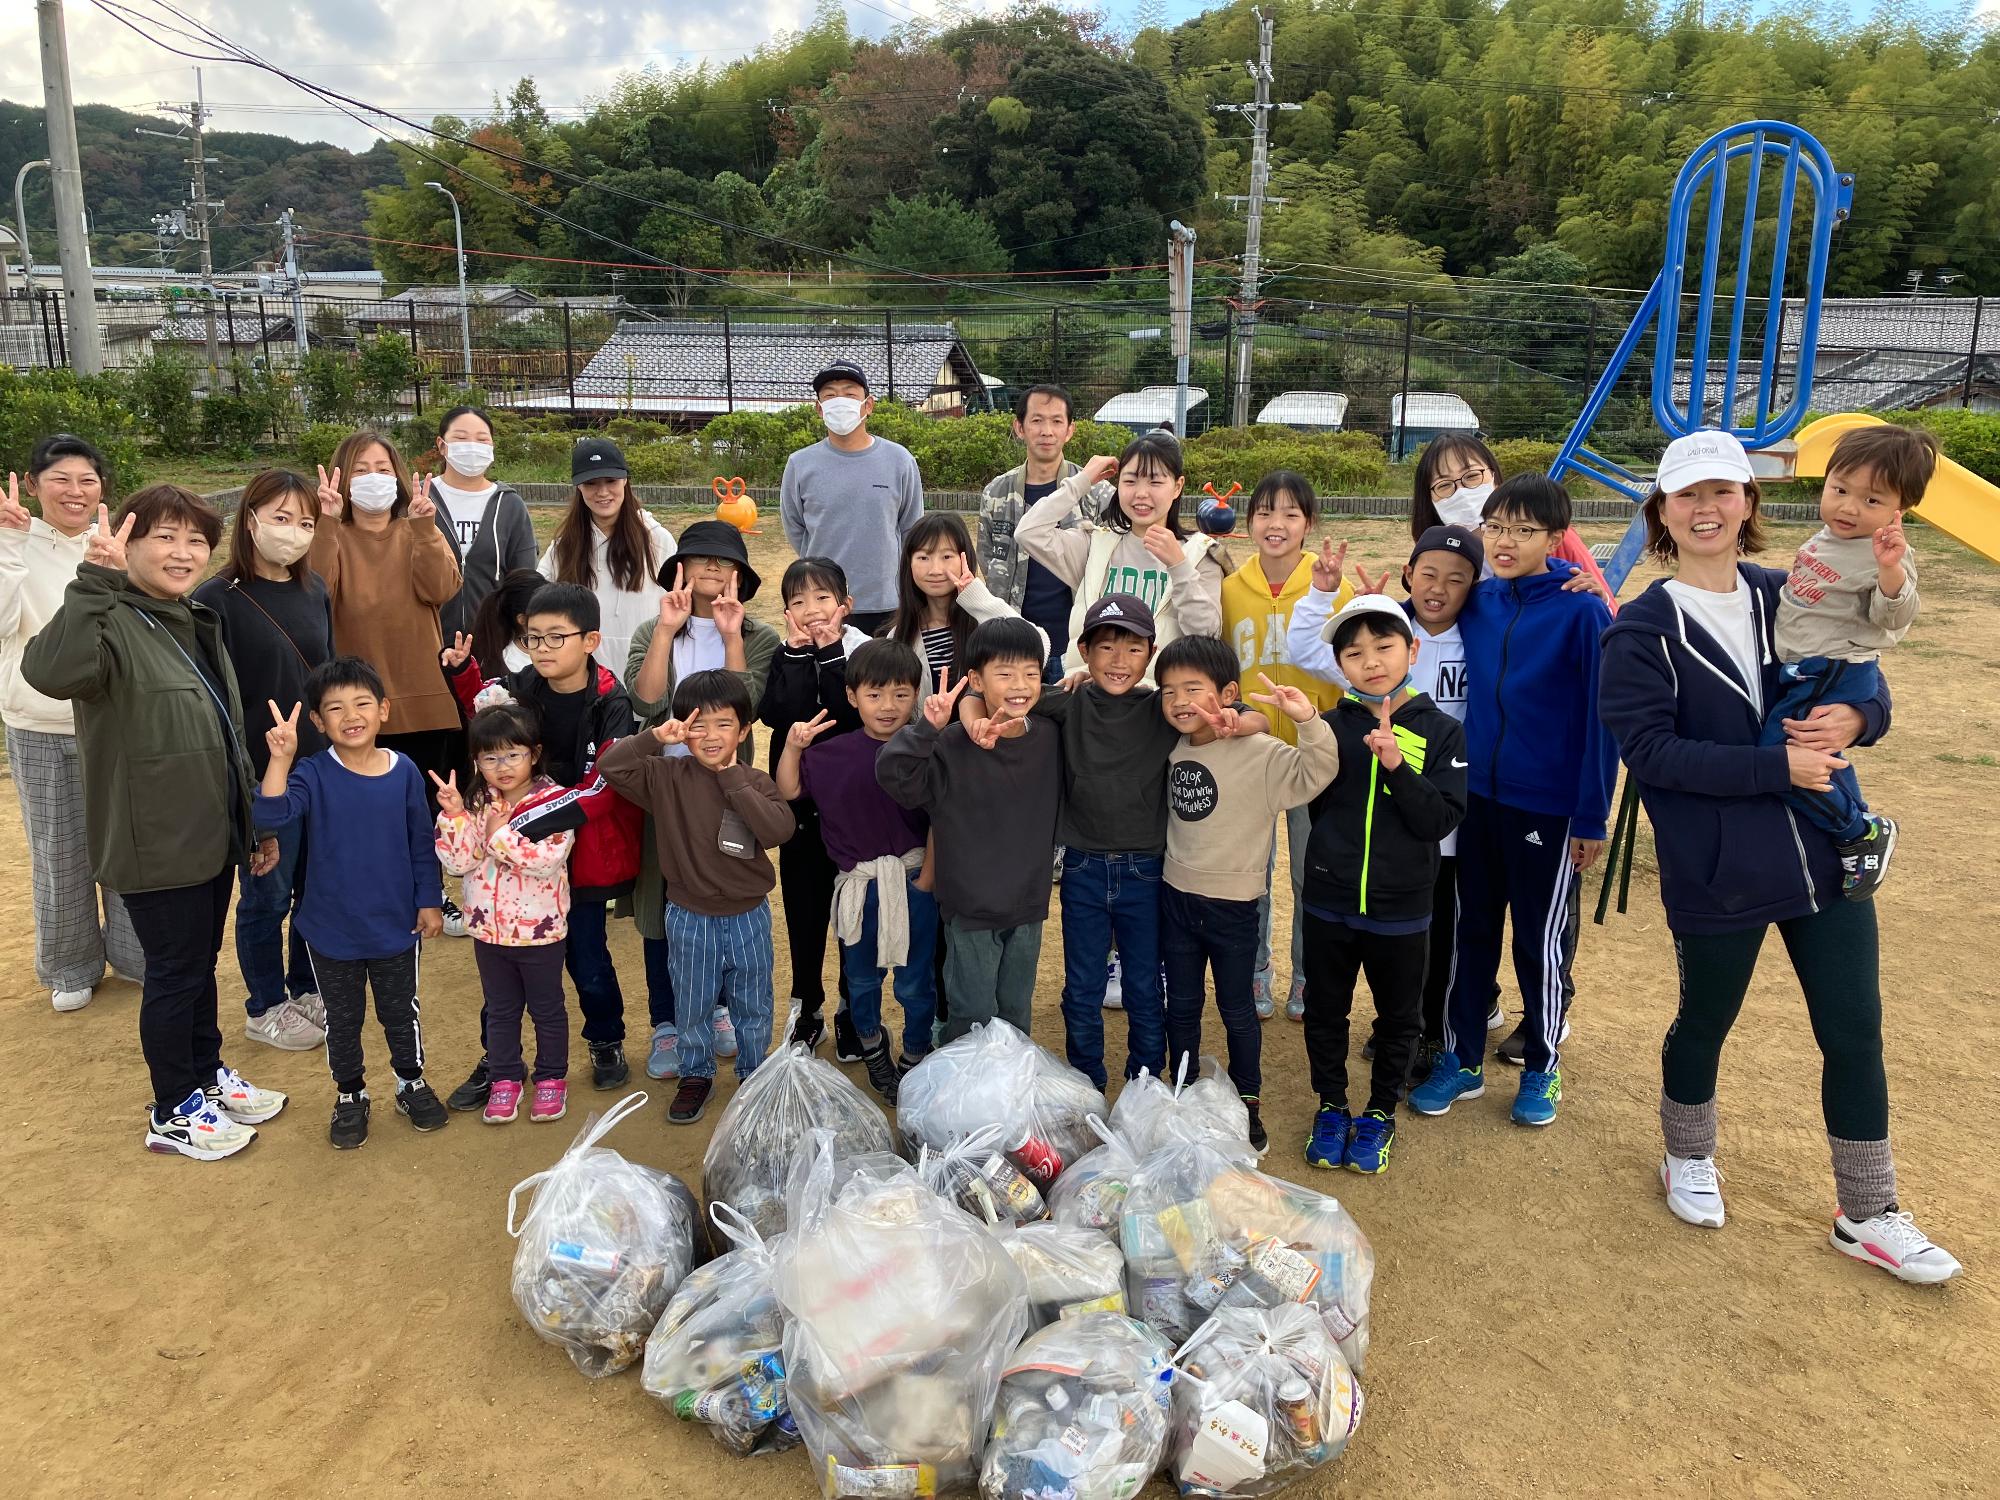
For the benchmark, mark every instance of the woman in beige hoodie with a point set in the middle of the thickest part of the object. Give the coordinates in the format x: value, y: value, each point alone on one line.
x: 38, y: 558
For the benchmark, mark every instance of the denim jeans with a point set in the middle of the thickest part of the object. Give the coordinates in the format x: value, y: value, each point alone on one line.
x: 1199, y: 934
x: 1802, y: 687
x: 916, y: 980
x: 271, y: 973
x: 721, y: 961
x: 1298, y: 829
x: 659, y: 983
x: 588, y: 959
x: 1107, y: 897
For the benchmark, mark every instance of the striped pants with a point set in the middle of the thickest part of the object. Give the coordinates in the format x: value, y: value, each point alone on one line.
x: 1511, y: 861
x: 72, y: 943
x: 720, y: 961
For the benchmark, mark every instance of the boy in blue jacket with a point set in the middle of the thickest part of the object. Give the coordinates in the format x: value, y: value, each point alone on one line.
x: 1540, y: 780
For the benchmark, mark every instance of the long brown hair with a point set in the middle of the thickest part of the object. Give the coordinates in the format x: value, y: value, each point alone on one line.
x: 272, y: 484
x: 343, y: 460
x: 628, y: 551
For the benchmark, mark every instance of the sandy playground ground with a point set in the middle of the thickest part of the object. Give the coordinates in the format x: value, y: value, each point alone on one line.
x: 299, y: 1322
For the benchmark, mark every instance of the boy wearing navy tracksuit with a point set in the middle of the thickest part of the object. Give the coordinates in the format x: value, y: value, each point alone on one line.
x: 1541, y: 773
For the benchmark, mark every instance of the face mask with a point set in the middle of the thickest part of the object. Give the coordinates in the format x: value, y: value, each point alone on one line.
x: 469, y: 460
x: 1395, y: 693
x: 280, y: 544
x: 1464, y: 506
x: 373, y: 493
x: 842, y: 414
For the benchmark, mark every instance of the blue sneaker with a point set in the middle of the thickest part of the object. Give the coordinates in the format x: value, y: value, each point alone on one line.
x: 1540, y: 1093
x: 1447, y: 1084
x: 1328, y: 1146
x: 1374, y: 1134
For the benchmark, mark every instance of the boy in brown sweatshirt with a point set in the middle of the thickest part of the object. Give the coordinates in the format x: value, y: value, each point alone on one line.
x: 1224, y: 797
x: 713, y: 818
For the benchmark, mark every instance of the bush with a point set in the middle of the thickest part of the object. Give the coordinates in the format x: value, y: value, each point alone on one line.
x: 315, y: 444
x: 233, y: 423
x: 162, y: 386
x: 1347, y: 463
x: 331, y: 388
x: 1525, y: 455
x: 97, y: 409
x: 1971, y: 438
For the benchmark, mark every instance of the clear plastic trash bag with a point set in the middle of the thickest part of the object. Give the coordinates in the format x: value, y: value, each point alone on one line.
x: 975, y: 1173
x: 1090, y: 1194
x: 1152, y: 1113
x: 995, y: 1075
x: 1068, y: 1270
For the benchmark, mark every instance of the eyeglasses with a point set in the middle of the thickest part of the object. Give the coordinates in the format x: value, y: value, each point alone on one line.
x: 534, y: 640
x: 1495, y: 531
x: 503, y: 759
x: 1443, y: 488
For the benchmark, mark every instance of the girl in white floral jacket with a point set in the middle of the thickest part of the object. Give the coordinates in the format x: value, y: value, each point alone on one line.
x: 516, y: 905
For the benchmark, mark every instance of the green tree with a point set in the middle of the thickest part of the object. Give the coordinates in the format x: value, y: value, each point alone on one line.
x: 932, y: 233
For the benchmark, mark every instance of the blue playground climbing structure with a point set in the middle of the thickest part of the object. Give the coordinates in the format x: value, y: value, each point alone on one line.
x: 1727, y: 176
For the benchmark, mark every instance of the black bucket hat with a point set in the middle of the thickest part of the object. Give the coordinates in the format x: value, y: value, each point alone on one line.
x: 715, y: 539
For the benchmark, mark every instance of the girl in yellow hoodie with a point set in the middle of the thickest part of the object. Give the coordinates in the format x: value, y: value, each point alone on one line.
x: 1257, y: 602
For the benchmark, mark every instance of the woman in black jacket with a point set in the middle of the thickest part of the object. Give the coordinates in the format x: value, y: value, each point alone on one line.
x: 1688, y: 669
x: 277, y: 624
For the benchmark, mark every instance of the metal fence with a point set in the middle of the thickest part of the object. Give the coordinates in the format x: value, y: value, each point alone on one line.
x: 1521, y: 359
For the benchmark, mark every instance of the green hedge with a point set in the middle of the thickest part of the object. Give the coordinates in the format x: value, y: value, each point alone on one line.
x: 96, y: 408
x: 1971, y: 438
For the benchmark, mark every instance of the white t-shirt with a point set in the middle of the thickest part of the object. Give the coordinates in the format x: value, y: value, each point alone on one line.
x: 699, y: 650
x: 467, y: 508
x: 1439, y: 670
x: 1729, y: 618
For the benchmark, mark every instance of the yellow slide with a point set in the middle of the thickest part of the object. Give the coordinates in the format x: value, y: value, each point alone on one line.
x: 1959, y: 503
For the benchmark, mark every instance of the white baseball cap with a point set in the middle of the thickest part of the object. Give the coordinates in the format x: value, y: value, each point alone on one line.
x: 1366, y: 604
x: 1707, y: 454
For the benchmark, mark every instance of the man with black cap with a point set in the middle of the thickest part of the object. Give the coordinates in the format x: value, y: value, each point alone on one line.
x: 852, y: 495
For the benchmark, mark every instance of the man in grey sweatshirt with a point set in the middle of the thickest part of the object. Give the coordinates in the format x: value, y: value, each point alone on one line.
x: 852, y: 496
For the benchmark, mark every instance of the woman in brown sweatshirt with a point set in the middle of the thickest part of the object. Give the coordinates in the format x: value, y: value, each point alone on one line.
x: 388, y: 571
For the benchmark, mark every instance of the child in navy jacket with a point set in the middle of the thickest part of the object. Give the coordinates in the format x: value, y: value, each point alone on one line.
x: 1540, y: 779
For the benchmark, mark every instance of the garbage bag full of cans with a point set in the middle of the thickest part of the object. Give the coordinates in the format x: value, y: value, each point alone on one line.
x: 975, y: 1173
x: 1263, y: 1396
x: 1152, y: 1113
x: 602, y: 1249
x: 1090, y: 1194
x: 1084, y: 1411
x: 1068, y: 1270
x: 761, y: 1131
x: 901, y: 1311
x: 717, y: 1356
x: 994, y: 1075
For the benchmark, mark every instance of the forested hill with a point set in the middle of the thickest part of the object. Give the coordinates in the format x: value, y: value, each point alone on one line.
x: 129, y: 178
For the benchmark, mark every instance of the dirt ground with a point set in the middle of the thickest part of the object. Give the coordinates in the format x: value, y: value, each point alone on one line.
x: 301, y: 1322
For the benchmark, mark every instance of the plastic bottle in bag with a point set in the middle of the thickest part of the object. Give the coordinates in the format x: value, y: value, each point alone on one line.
x: 1068, y: 1271
x: 1083, y: 1412
x: 995, y: 1075
x: 1091, y: 1193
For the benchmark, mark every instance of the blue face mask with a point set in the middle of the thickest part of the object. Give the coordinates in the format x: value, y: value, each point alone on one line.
x: 1398, y: 691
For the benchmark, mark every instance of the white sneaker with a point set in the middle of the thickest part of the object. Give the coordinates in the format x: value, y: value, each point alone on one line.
x: 242, y: 1101
x: 69, y: 1000
x: 1295, y: 1007
x: 196, y: 1130
x: 1114, y: 986
x: 312, y: 1008
x: 1892, y: 1241
x: 1260, y: 994
x: 725, y: 1033
x: 286, y: 1027
x: 454, y: 919
x: 1694, y: 1190
x: 1496, y: 1018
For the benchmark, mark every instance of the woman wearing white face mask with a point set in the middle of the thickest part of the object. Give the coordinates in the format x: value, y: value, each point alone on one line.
x: 277, y: 624
x: 389, y: 572
x: 485, y: 521
x: 1455, y: 476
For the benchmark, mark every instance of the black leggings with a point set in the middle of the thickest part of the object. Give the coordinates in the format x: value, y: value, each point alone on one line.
x: 805, y: 879
x: 1835, y: 954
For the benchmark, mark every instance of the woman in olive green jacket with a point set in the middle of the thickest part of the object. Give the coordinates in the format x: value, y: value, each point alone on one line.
x: 166, y: 793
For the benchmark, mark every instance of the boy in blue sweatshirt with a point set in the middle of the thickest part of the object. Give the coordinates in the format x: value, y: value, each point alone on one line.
x: 1540, y: 780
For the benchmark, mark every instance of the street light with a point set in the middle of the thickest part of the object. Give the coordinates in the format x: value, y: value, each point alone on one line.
x: 464, y: 318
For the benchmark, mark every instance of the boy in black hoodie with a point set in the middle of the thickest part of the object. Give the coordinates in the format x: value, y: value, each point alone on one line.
x: 1371, y: 866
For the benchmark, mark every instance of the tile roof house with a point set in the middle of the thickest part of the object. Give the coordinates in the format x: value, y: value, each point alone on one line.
x: 433, y: 305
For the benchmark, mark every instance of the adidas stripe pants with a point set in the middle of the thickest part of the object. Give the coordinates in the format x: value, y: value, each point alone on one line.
x: 1510, y: 862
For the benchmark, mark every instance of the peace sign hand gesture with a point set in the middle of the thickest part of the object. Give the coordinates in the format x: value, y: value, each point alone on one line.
x: 107, y: 548
x: 676, y: 604
x: 331, y: 501
x: 805, y: 731
x: 456, y: 654
x: 451, y: 802
x: 1223, y: 720
x: 422, y: 507
x: 985, y: 733
x: 1327, y: 566
x: 1379, y: 584
x: 941, y: 705
x: 1287, y: 699
x: 13, y: 515
x: 283, y: 735
x: 727, y: 611
x: 1381, y: 740
x: 797, y: 635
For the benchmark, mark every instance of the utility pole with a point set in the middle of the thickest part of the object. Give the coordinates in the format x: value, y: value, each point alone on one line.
x: 194, y: 220
x: 1260, y: 172
x: 464, y: 316
x: 1180, y: 301
x: 293, y: 281
x: 86, y: 348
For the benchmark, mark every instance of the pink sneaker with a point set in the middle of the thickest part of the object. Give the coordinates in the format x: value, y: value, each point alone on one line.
x: 551, y: 1100
x: 504, y: 1103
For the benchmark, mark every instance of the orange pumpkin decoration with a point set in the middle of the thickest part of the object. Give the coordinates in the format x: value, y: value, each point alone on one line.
x: 733, y: 503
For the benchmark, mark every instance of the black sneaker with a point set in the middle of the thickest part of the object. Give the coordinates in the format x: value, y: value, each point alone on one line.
x: 1864, y: 864
x: 690, y: 1099
x: 350, y: 1121
x: 1514, y: 1050
x: 882, y: 1074
x: 419, y: 1101
x: 608, y: 1068
x: 846, y: 1040
x: 908, y: 1061
x: 808, y: 1029
x: 1258, y: 1138
x: 1368, y: 1047
x: 471, y: 1094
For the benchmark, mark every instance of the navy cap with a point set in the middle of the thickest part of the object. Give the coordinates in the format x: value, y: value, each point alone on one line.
x: 1462, y: 540
x: 841, y: 369
x: 1124, y: 611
